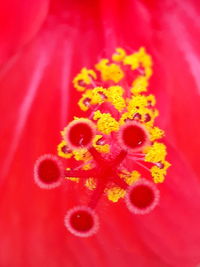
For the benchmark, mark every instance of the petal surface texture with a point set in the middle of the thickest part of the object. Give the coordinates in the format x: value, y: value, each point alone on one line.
x: 37, y: 98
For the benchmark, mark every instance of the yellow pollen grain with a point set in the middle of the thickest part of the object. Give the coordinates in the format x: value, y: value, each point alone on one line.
x: 61, y: 153
x: 155, y: 153
x: 82, y: 154
x: 158, y: 174
x: 148, y: 72
x: 153, y: 113
x: 119, y: 55
x: 132, y: 60
x: 110, y: 72
x: 115, y: 96
x: 139, y: 85
x: 115, y: 193
x: 105, y: 122
x: 100, y: 148
x: 73, y: 179
x: 151, y: 100
x: 85, y: 76
x: 94, y: 96
x: 125, y: 116
x: 140, y: 59
x: 156, y: 133
x: 90, y: 183
x: 87, y: 166
x: 132, y: 177
x: 139, y: 101
x: 137, y: 106
x: 98, y: 95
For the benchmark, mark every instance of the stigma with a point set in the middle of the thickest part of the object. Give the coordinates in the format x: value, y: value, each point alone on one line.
x: 116, y: 147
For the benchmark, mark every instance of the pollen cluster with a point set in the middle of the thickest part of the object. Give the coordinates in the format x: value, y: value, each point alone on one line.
x: 112, y: 102
x: 115, y: 147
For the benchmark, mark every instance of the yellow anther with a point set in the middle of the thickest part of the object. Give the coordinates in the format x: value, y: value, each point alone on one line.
x: 85, y: 76
x: 98, y: 95
x: 127, y: 116
x: 73, y: 179
x: 144, y: 58
x: 104, y: 148
x: 130, y: 177
x: 140, y: 59
x: 156, y: 133
x: 155, y: 153
x: 139, y: 85
x: 119, y: 55
x: 115, y: 193
x: 105, y: 122
x: 63, y: 150
x: 87, y: 166
x: 148, y: 72
x: 138, y: 101
x: 115, y: 96
x: 151, y: 100
x: 153, y: 113
x: 132, y: 60
x: 111, y: 72
x: 137, y: 106
x: 158, y: 173
x: 82, y: 154
x: 84, y: 103
x: 90, y: 183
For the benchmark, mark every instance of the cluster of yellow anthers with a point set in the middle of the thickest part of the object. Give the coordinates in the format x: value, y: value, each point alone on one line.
x: 130, y: 102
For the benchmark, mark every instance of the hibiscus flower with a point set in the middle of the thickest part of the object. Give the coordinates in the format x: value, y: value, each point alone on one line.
x: 39, y: 61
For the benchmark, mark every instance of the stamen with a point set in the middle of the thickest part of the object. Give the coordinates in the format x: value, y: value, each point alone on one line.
x: 48, y: 171
x: 114, y: 141
x: 79, y: 133
x: 142, y: 165
x: 80, y: 173
x: 133, y: 136
x: 142, y: 197
x: 82, y: 221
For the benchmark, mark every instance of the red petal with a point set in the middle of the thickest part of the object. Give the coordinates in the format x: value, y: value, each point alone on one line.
x: 37, y: 100
x: 19, y: 22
